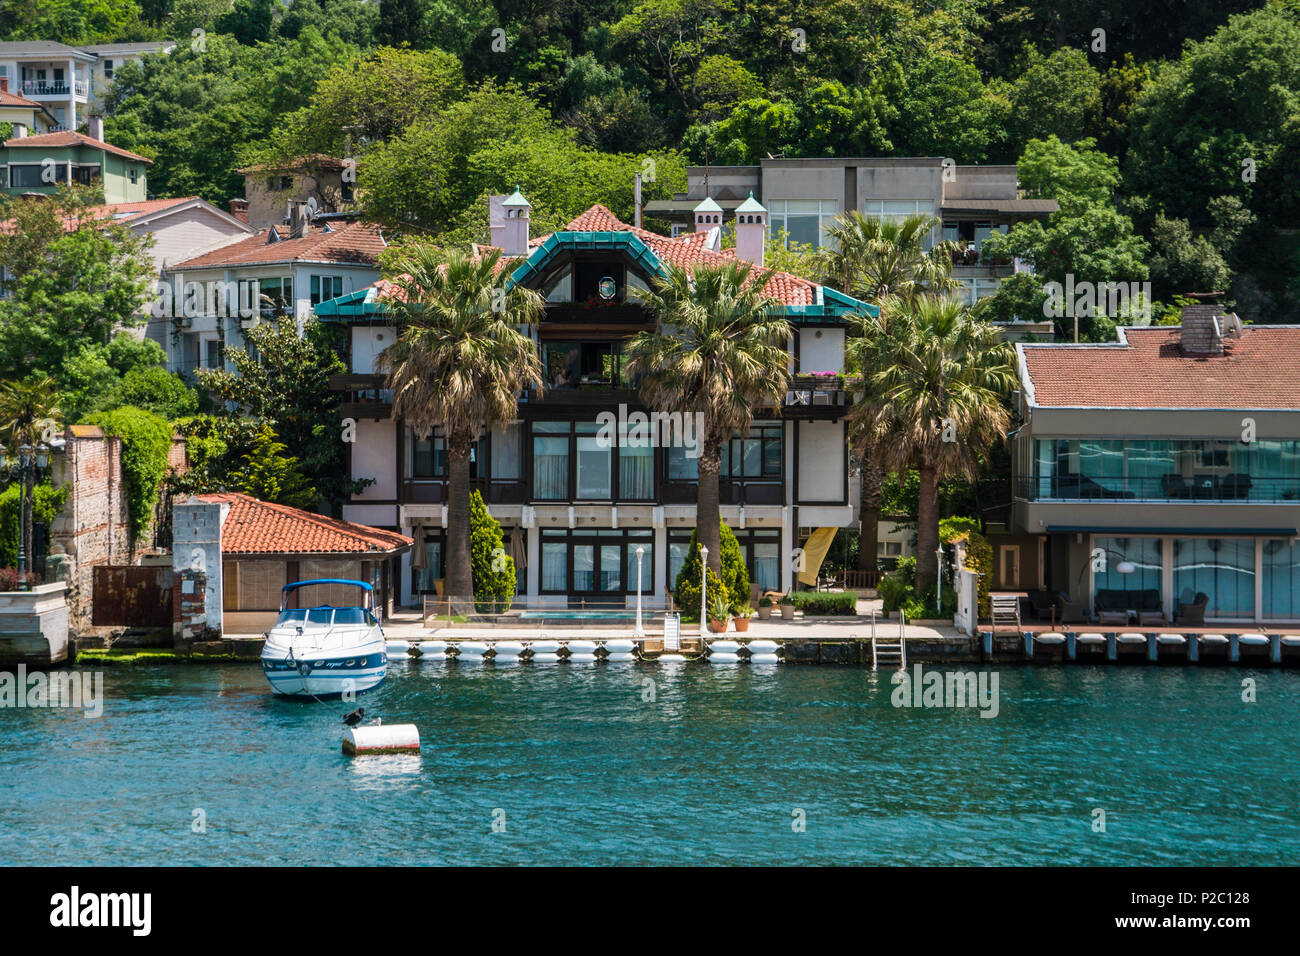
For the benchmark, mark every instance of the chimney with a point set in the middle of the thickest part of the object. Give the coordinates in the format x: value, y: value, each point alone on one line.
x: 751, y: 231
x: 19, y: 130
x: 513, y: 233
x: 239, y: 209
x: 95, y: 127
x: 1202, y: 329
x: 299, y: 219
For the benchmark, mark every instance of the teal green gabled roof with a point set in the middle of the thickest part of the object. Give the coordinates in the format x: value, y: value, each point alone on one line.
x: 751, y: 205
x: 707, y: 205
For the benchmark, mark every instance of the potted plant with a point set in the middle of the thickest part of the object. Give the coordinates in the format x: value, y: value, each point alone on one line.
x: 764, y: 608
x: 741, y: 614
x: 787, y: 608
x: 718, y: 614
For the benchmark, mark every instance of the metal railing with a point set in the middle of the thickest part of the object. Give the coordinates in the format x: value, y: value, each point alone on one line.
x: 1180, y: 488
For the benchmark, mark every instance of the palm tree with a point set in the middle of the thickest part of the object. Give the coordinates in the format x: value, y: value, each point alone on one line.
x: 874, y: 259
x: 935, y: 379
x: 719, y: 353
x: 28, y: 409
x: 458, y: 363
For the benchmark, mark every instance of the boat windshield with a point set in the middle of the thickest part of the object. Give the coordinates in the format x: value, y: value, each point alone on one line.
x: 326, y: 615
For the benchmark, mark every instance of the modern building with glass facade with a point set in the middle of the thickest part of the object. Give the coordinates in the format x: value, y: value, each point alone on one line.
x: 577, y: 502
x: 1164, y: 467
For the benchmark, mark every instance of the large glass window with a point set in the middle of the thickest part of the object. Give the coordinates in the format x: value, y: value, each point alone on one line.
x: 1167, y: 469
x: 551, y: 460
x: 1281, y: 582
x: 554, y: 565
x: 595, y: 454
x: 644, y: 540
x: 505, y: 453
x: 636, y: 467
x: 1115, y: 587
x: 1222, y: 568
x: 803, y: 220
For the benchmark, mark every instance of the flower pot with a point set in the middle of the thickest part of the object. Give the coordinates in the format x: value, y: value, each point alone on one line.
x: 787, y: 612
x: 742, y: 624
x: 764, y: 613
x: 717, y: 627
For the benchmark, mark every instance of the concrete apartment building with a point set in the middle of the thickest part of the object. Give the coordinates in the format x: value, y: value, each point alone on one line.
x: 71, y: 82
x: 575, y: 508
x: 1161, y: 473
x: 803, y: 197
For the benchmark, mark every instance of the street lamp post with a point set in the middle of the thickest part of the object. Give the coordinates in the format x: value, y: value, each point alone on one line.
x: 640, y: 553
x: 704, y: 587
x: 938, y: 584
x: 28, y: 458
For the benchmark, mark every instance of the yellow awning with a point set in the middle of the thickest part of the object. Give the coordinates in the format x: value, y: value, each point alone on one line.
x: 814, y: 553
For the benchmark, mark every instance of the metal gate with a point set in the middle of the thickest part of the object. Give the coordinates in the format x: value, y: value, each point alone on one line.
x: 132, y: 596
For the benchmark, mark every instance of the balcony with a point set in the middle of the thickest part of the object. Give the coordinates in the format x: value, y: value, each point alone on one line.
x: 434, y: 491
x: 730, y: 492
x: 1180, y: 489
x: 363, y: 396
x: 815, y: 397
x: 47, y: 88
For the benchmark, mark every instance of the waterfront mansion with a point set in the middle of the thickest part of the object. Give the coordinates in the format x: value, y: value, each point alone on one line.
x: 575, y: 508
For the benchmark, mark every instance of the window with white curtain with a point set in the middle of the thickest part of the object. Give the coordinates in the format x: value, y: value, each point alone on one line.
x: 505, y: 452
x: 636, y: 461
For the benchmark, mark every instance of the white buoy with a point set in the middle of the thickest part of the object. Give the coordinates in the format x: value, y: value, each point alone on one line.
x: 381, y: 739
x: 432, y: 650
x: 545, y: 647
x: 508, y: 652
x: 1170, y: 639
x: 1091, y: 638
x: 724, y: 657
x: 1050, y: 639
x: 764, y: 659
x: 1131, y: 637
x: 1253, y: 640
x: 724, y: 647
x: 1291, y: 640
x: 620, y: 647
x: 397, y: 649
x: 1213, y: 639
x: 545, y: 657
x: 621, y: 657
x: 582, y: 647
x: 472, y: 651
x: 763, y: 647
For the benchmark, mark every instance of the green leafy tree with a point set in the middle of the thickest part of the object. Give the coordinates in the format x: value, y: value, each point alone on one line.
x: 28, y: 417
x: 270, y: 475
x: 935, y: 379
x: 1052, y: 95
x: 493, y: 569
x: 146, y: 443
x: 282, y: 379
x: 686, y: 590
x: 718, y: 353
x: 735, y: 575
x: 458, y: 364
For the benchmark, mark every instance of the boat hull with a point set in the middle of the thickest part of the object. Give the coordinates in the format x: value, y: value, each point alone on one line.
x: 325, y: 674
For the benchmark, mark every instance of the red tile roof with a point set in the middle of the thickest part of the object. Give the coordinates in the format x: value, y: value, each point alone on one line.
x: 115, y: 212
x: 260, y: 527
x: 318, y: 160
x: 1258, y: 371
x: 69, y: 138
x: 689, y: 250
x: 13, y: 99
x: 351, y: 243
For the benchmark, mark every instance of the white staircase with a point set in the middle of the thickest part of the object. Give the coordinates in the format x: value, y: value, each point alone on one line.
x: 889, y: 651
x: 672, y: 631
x: 1006, y: 611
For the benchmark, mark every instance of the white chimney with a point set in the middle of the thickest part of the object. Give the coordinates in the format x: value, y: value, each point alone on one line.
x: 19, y: 130
x: 751, y: 231
x: 95, y: 127
x: 708, y: 215
x: 513, y: 237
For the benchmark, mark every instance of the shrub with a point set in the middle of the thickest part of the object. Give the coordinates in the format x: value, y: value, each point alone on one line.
x: 719, y: 609
x: 43, y: 507
x: 895, y: 590
x: 765, y: 602
x: 686, y: 592
x: 979, y: 555
x: 920, y: 607
x: 9, y: 579
x: 734, y: 573
x: 838, y: 603
x: 492, y: 570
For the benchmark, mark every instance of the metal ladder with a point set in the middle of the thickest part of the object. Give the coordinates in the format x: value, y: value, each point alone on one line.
x: 889, y: 651
x: 672, y: 631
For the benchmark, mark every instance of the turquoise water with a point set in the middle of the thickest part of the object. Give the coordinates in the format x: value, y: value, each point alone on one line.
x: 586, y: 770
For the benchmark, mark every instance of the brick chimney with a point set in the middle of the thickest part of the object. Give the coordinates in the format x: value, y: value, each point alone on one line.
x: 239, y: 209
x: 299, y: 219
x: 751, y: 231
x: 95, y: 126
x: 1202, y: 329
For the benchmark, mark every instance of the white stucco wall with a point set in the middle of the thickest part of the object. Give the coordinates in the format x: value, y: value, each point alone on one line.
x: 374, y: 455
x: 821, y: 462
x: 821, y: 350
x: 367, y: 343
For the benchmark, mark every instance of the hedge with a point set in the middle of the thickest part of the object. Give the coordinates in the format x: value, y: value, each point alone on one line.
x: 828, y: 603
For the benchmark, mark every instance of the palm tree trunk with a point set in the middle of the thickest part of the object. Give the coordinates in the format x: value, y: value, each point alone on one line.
x: 459, y: 587
x: 708, y: 518
x: 927, y: 529
x: 871, y: 479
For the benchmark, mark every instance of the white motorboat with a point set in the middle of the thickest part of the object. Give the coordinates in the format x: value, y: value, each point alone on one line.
x: 325, y: 651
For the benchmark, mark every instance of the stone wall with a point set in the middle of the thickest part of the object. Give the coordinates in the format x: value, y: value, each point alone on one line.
x: 94, y: 526
x: 196, y: 561
x: 34, y: 626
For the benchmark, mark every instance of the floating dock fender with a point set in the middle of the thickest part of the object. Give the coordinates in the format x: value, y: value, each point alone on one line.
x: 509, y: 647
x: 621, y: 657
x: 724, y: 657
x: 1170, y: 639
x: 1131, y: 637
x: 620, y: 647
x: 764, y: 658
x: 582, y: 657
x: 1091, y: 637
x: 763, y: 647
x: 1252, y: 640
x: 381, y: 739
x: 724, y: 647
x: 472, y: 650
x: 545, y: 657
x: 545, y: 647
x: 1052, y: 638
x: 1291, y: 640
x: 396, y: 649
x: 582, y: 647
x: 1213, y: 639
x: 430, y: 647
